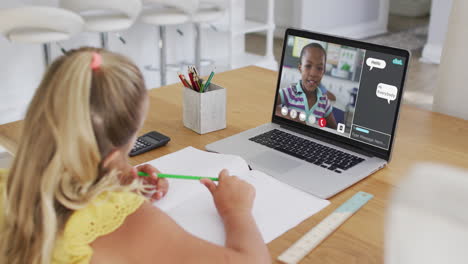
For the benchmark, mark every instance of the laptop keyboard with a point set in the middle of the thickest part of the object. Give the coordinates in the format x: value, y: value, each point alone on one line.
x: 307, y: 150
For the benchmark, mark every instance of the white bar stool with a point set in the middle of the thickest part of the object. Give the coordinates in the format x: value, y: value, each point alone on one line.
x: 39, y: 24
x: 163, y: 13
x: 208, y: 11
x: 105, y: 16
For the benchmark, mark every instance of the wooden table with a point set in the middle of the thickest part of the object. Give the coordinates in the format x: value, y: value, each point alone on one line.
x: 421, y: 136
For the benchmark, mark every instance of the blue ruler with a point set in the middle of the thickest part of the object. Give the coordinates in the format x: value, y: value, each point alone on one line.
x: 320, y: 232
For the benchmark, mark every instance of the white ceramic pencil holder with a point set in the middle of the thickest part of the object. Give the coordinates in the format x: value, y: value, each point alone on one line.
x: 205, y: 112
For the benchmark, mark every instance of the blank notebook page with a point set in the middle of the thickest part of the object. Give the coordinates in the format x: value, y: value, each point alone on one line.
x: 278, y: 207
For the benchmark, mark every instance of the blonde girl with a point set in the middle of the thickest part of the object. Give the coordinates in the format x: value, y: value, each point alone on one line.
x: 71, y: 195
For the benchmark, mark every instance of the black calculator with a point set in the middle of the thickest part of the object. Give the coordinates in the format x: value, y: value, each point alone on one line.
x: 147, y: 142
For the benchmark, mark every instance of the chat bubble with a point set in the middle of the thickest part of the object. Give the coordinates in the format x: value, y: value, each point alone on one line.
x: 372, y: 62
x: 387, y: 92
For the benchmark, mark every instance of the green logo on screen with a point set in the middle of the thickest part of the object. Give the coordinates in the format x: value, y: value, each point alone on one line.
x: 397, y: 61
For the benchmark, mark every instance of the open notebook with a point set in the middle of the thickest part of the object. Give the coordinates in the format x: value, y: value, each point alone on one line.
x: 277, y: 207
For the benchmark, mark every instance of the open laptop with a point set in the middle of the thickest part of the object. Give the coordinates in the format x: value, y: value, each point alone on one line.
x: 354, y: 89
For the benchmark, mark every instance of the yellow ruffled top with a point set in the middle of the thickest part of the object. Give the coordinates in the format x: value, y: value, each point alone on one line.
x: 102, y: 216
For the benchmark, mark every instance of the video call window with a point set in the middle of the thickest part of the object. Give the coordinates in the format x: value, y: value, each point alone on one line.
x: 340, y: 89
x: 319, y: 84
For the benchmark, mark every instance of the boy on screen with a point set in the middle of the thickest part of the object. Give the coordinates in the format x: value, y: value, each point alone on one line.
x: 306, y: 101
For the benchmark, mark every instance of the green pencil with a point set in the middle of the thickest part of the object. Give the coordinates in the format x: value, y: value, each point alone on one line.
x: 163, y: 175
x: 207, y: 83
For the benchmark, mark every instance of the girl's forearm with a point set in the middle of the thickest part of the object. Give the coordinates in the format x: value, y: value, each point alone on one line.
x: 243, y: 236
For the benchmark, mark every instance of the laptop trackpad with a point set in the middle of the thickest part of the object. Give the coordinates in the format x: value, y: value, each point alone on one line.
x: 274, y: 161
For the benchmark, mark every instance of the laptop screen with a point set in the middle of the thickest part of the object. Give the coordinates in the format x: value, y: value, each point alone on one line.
x: 341, y: 88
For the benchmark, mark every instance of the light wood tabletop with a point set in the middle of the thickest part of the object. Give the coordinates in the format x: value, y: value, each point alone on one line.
x: 422, y: 136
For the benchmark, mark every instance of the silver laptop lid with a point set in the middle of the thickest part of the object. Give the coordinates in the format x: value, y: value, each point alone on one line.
x: 344, y: 90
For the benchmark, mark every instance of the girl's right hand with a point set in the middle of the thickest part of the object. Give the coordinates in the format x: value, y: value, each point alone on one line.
x: 231, y: 195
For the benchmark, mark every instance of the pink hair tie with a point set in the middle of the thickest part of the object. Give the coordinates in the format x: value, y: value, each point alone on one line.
x: 97, y: 61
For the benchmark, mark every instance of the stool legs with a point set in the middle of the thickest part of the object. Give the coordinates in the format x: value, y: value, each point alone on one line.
x: 197, y: 46
x: 162, y: 54
x: 104, y: 40
x: 47, y: 54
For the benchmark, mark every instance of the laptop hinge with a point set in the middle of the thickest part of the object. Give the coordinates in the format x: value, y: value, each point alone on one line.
x: 327, y: 140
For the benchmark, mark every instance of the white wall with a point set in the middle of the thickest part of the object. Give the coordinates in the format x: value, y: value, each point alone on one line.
x: 353, y: 19
x: 286, y: 13
x: 336, y: 13
x: 440, y: 12
x: 452, y: 93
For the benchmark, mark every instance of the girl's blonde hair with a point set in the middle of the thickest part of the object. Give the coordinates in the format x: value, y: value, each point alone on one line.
x: 76, y: 118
